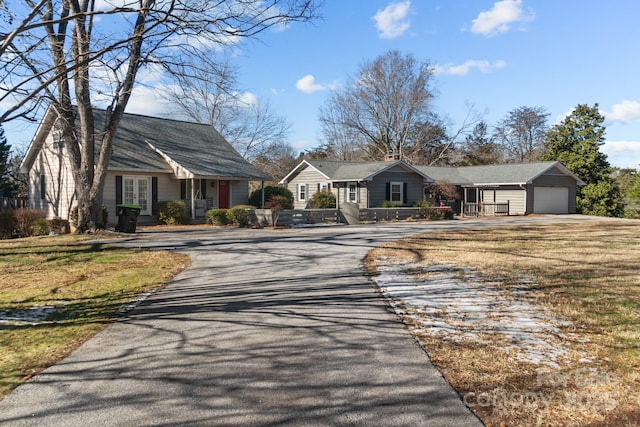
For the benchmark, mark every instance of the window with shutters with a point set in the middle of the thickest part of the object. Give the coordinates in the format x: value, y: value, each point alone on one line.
x: 396, y: 192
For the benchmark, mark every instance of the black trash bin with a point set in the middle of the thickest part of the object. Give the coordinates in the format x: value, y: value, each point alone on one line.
x: 128, y: 217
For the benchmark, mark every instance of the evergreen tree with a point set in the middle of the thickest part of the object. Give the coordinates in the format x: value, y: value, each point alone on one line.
x: 576, y: 142
x: 480, y: 147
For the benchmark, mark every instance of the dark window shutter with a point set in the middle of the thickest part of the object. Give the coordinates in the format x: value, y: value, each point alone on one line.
x: 118, y: 189
x: 203, y: 188
x: 387, y: 191
x: 183, y: 189
x: 43, y: 187
x: 404, y: 192
x: 154, y: 195
x: 318, y: 190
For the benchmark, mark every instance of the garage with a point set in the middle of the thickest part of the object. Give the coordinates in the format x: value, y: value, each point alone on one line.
x: 551, y: 200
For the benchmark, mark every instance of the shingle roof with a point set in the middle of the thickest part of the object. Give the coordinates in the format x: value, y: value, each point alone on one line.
x: 197, y: 148
x: 513, y: 173
x: 354, y: 171
x: 503, y: 174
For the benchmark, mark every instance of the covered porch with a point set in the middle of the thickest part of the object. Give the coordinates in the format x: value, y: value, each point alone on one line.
x: 484, y: 201
x: 200, y: 194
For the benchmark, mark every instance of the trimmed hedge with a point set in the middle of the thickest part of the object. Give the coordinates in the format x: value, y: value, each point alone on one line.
x: 171, y: 212
x: 217, y: 216
x: 323, y: 200
x: 239, y: 215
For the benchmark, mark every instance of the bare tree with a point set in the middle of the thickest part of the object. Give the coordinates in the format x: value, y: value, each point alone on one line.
x: 522, y: 133
x: 340, y: 142
x: 61, y: 54
x: 277, y: 160
x: 250, y: 125
x: 381, y: 106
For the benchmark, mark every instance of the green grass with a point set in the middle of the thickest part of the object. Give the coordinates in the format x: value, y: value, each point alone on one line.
x: 86, y: 282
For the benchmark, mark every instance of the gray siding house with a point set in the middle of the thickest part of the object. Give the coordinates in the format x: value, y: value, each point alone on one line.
x: 514, y: 189
x: 154, y: 159
x: 365, y: 184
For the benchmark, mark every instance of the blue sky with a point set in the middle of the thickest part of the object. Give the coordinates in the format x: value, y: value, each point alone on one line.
x: 496, y: 55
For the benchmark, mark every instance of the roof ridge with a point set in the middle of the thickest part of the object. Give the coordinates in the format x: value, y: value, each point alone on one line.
x: 168, y: 119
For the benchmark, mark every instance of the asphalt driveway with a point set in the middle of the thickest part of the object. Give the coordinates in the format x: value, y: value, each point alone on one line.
x: 265, y: 328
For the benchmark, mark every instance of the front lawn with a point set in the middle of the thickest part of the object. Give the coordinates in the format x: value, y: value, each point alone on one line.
x: 584, y: 278
x: 57, y: 292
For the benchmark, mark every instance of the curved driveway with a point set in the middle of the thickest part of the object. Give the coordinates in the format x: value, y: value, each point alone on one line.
x: 265, y: 328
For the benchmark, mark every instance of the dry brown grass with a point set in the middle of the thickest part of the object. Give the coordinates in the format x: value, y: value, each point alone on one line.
x: 86, y: 282
x: 585, y: 273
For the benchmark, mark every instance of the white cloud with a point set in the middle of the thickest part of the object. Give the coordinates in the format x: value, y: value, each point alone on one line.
x: 247, y: 99
x: 308, y: 84
x: 624, y: 112
x: 500, y: 18
x: 483, y: 66
x: 392, y: 21
x: 148, y: 101
x: 622, y: 154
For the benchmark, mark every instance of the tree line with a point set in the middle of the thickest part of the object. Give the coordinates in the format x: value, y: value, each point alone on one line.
x: 70, y: 55
x: 386, y: 111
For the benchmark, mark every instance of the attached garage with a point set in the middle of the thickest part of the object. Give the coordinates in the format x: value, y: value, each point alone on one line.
x: 539, y: 187
x: 551, y: 200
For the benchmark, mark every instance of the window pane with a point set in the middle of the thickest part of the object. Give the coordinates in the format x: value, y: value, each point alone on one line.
x: 353, y: 193
x: 127, y: 191
x: 396, y: 192
x: 143, y: 190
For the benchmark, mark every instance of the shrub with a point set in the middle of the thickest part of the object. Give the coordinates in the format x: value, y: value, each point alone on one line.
x: 40, y: 227
x: 171, y: 212
x: 277, y: 204
x: 217, y: 216
x: 7, y: 223
x: 59, y: 225
x: 390, y: 204
x: 239, y: 215
x: 269, y: 191
x: 323, y: 200
x: 25, y: 221
x: 436, y: 213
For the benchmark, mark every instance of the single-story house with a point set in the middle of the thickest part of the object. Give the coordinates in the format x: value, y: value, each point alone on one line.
x: 514, y: 189
x: 365, y: 184
x: 154, y: 159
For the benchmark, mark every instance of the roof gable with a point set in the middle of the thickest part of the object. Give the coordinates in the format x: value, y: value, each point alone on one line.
x: 351, y: 171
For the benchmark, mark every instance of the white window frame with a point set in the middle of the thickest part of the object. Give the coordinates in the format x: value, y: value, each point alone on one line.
x: 302, y: 192
x: 353, y: 197
x: 399, y: 192
x: 324, y: 186
x: 135, y: 196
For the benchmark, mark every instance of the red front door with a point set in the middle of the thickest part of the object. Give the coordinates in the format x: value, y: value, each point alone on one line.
x: 223, y: 194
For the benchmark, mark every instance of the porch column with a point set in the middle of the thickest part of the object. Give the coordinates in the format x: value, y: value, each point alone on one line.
x: 193, y: 198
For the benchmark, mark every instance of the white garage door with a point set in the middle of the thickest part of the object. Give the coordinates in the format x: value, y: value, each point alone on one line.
x: 551, y: 200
